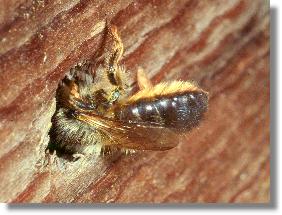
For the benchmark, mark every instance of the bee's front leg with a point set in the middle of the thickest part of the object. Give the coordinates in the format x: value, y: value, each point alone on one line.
x: 113, y: 54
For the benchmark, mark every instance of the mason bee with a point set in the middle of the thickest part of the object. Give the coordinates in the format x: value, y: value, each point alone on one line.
x: 96, y: 112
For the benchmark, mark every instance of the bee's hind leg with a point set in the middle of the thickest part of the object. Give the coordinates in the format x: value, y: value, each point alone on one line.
x: 143, y: 80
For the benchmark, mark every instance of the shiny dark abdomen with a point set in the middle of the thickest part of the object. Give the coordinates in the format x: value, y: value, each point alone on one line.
x: 179, y: 111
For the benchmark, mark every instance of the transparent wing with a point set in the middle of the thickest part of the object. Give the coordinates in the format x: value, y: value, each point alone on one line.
x: 132, y: 135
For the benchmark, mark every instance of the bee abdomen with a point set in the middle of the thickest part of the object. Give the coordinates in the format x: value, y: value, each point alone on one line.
x: 179, y: 111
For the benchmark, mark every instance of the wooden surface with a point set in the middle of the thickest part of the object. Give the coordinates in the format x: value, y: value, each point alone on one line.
x: 221, y: 44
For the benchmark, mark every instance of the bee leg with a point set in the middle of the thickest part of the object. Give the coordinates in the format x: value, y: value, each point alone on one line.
x: 143, y: 80
x: 116, y: 46
x: 114, y: 50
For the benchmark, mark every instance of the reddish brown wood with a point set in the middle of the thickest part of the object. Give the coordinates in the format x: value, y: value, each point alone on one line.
x: 221, y: 44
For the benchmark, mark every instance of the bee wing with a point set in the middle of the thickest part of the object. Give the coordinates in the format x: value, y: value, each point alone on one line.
x: 132, y: 135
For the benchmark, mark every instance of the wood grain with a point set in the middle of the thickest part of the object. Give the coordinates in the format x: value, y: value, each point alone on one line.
x: 221, y: 44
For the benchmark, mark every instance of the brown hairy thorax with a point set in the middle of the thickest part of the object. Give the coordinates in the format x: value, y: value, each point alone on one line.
x: 95, y: 113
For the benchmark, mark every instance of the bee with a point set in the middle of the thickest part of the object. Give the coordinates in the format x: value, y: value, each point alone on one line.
x: 97, y: 114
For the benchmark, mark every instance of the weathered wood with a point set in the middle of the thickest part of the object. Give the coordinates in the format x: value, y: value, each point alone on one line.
x: 221, y: 44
